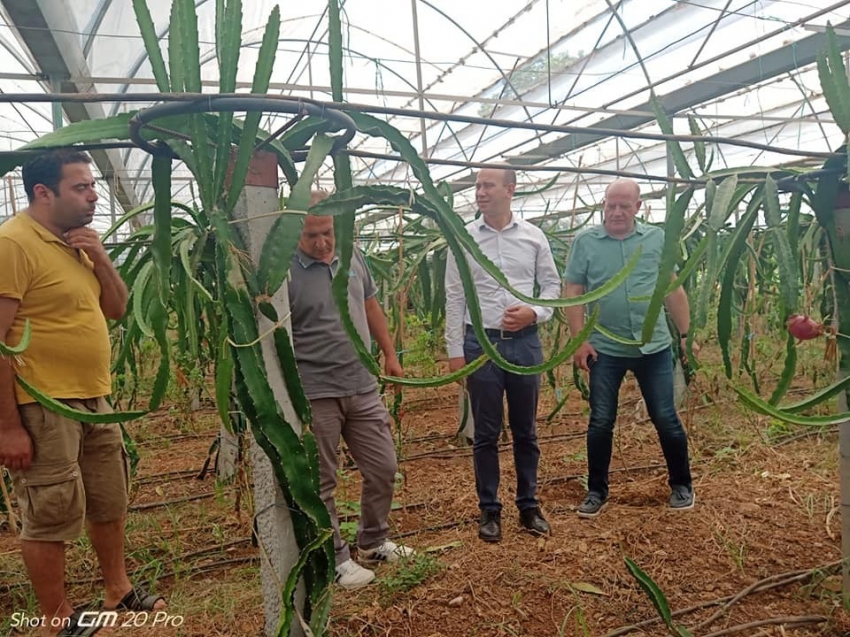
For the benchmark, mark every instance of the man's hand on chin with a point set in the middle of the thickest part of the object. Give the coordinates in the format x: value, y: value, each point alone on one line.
x: 88, y: 240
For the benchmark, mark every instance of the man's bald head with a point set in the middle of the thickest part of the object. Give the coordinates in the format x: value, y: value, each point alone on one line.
x: 625, y: 186
x: 494, y: 189
x: 318, y: 195
x: 317, y: 235
x: 620, y: 207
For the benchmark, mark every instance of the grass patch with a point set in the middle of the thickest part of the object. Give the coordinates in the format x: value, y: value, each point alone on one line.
x: 406, y: 574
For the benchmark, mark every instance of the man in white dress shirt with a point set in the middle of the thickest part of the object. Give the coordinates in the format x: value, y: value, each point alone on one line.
x: 522, y: 252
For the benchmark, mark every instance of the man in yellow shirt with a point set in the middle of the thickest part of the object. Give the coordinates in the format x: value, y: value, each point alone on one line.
x: 56, y: 274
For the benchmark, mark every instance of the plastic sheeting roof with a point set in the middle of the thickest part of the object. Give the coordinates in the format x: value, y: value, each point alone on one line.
x: 569, y: 62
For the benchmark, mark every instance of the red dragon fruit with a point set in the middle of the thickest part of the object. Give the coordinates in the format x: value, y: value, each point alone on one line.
x: 803, y: 327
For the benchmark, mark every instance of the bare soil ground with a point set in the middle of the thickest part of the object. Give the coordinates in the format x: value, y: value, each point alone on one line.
x: 766, y: 506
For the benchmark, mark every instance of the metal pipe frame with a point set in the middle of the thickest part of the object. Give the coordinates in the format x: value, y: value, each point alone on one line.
x: 271, y: 100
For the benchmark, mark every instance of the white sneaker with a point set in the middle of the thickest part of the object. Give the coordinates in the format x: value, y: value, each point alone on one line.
x: 351, y: 575
x: 385, y: 552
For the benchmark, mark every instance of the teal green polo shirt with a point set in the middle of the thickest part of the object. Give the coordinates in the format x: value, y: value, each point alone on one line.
x: 595, y: 257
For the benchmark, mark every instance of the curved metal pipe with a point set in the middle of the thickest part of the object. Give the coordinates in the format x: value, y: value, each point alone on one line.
x: 295, y: 106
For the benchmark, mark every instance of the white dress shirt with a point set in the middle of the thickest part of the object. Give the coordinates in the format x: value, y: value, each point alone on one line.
x: 521, y: 251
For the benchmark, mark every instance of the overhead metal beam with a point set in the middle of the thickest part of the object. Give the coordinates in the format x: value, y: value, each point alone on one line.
x: 47, y: 30
x: 764, y: 67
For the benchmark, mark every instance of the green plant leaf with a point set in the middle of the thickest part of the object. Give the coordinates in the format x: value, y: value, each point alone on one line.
x: 816, y: 399
x: 722, y: 204
x: 176, y: 63
x: 51, y: 404
x: 672, y: 231
x: 833, y: 79
x: 151, y: 40
x: 188, y: 39
x: 786, y: 260
x: 699, y: 147
x: 188, y: 48
x: 116, y: 127
x: 132, y: 214
x: 229, y: 43
x: 758, y: 405
x: 159, y: 323
x: 140, y: 297
x: 438, y: 381
x: 673, y: 147
x: 788, y: 370
x: 733, y: 254
x: 335, y: 49
x: 825, y: 201
x: 286, y: 356
x: 23, y: 344
x: 344, y: 231
x: 223, y: 382
x: 161, y: 245
x: 792, y: 222
x: 616, y: 337
x: 292, y: 578
x: 260, y: 85
x: 536, y: 191
x: 184, y: 247
x: 655, y: 594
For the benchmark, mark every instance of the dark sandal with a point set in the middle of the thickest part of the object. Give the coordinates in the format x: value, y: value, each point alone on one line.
x: 138, y: 599
x: 73, y: 628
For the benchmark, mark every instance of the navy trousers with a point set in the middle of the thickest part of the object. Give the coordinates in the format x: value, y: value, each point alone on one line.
x: 487, y: 389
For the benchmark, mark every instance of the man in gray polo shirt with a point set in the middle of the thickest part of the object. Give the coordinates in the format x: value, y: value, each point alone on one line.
x: 596, y: 255
x: 343, y: 394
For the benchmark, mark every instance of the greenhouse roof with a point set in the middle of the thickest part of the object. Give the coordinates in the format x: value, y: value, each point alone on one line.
x: 743, y: 69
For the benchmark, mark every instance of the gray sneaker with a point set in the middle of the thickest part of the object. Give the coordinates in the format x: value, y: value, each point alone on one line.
x: 682, y: 498
x: 592, y: 505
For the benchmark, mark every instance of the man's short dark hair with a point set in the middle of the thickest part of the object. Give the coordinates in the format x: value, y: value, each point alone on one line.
x: 509, y: 176
x: 46, y: 169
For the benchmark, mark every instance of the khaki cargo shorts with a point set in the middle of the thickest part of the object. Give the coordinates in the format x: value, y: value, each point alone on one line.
x: 78, y: 471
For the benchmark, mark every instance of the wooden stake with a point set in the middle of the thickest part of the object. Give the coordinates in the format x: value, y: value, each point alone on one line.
x: 12, y: 196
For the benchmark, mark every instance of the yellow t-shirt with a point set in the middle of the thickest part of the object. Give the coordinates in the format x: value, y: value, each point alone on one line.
x: 69, y: 353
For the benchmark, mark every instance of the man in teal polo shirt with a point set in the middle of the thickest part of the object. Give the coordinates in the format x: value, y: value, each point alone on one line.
x: 596, y: 255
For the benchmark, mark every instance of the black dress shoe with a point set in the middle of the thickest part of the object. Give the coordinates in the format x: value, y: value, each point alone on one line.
x: 490, y: 526
x: 532, y: 520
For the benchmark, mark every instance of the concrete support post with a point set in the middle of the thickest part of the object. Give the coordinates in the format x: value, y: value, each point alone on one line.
x: 844, y: 473
x: 279, y: 550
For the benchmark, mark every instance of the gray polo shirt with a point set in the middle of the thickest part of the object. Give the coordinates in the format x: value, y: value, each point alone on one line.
x: 595, y: 257
x: 328, y: 364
